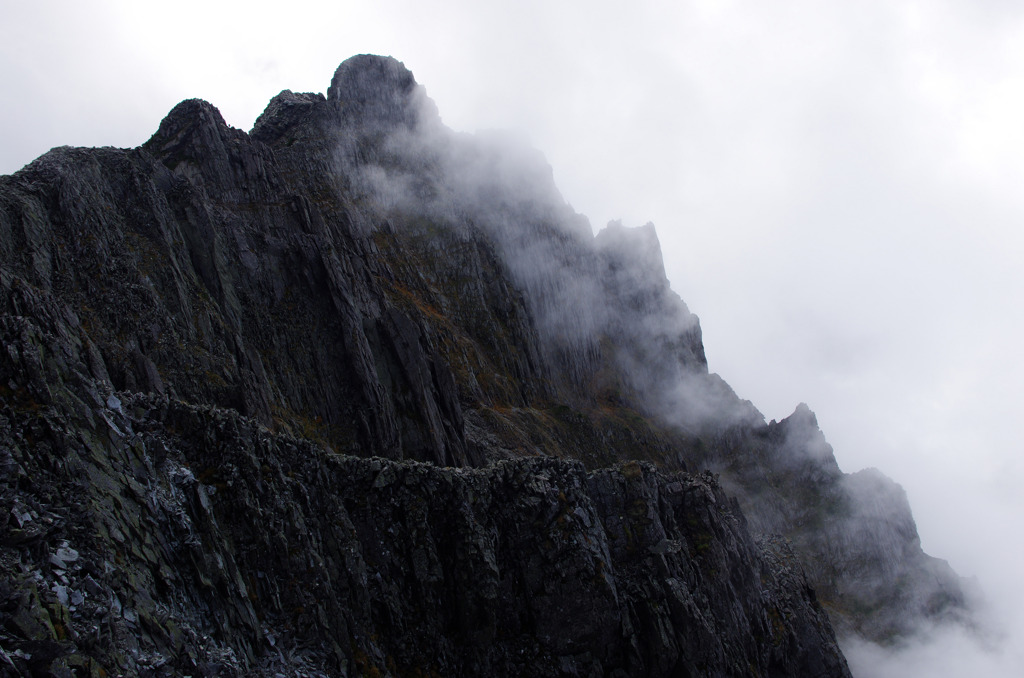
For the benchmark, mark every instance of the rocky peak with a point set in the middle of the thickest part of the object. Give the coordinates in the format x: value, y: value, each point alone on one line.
x: 189, y: 119
x: 803, y: 439
x: 378, y: 91
x: 636, y: 250
x: 195, y: 142
x: 282, y: 113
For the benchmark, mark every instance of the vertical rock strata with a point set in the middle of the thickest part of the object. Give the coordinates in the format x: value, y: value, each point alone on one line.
x: 352, y: 394
x: 153, y: 537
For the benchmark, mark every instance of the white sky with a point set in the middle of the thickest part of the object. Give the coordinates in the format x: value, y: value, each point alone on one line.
x: 836, y: 185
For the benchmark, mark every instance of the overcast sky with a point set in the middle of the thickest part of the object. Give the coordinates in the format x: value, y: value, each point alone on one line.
x: 837, y: 186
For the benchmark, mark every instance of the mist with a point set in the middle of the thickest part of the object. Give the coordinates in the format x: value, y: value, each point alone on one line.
x: 610, y: 327
x: 947, y: 651
x: 835, y: 190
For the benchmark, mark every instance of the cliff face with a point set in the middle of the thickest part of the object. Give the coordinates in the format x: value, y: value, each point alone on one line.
x: 854, y: 532
x: 154, y: 537
x: 354, y: 394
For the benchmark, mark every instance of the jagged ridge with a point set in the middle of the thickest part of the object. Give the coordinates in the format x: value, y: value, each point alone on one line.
x: 353, y: 274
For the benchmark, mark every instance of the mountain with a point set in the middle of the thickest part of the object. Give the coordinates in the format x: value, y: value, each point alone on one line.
x: 354, y: 394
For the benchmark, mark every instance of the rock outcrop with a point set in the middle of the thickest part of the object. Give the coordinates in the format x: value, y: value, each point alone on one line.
x: 352, y: 394
x: 854, y: 532
x: 148, y: 536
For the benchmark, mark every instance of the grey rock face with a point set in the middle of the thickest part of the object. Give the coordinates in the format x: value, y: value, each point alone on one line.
x: 378, y: 91
x: 854, y: 533
x: 353, y: 395
x: 154, y: 537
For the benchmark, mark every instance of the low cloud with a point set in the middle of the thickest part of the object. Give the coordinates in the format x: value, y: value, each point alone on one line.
x: 944, y: 651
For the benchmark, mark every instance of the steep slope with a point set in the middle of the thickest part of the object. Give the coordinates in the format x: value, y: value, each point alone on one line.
x: 148, y: 536
x: 203, y: 334
x: 854, y: 532
x: 614, y: 339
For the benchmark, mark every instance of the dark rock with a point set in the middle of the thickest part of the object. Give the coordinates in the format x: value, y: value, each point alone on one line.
x: 245, y: 543
x: 354, y: 395
x: 373, y: 90
x: 853, y: 533
x: 285, y: 111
